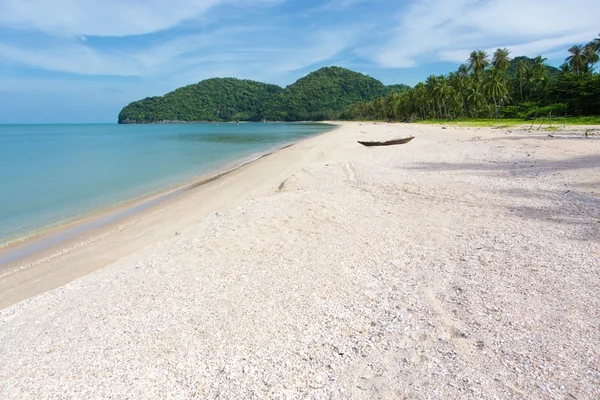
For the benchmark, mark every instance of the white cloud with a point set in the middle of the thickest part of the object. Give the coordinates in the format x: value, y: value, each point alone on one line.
x: 78, y: 57
x: 223, y: 52
x: 106, y: 17
x: 447, y: 30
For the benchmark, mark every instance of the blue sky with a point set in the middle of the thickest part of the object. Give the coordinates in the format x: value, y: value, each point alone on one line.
x: 82, y: 61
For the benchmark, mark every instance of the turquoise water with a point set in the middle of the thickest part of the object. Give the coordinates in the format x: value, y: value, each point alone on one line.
x: 54, y: 173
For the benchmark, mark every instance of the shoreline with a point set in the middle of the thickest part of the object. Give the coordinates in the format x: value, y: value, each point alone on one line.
x: 333, y: 270
x: 60, y: 228
x: 55, y: 242
x: 127, y: 206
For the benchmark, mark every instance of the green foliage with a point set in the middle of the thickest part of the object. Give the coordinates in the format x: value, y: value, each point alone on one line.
x: 581, y: 93
x: 396, y: 88
x: 321, y: 95
x: 497, y: 87
x: 530, y: 63
x: 218, y: 99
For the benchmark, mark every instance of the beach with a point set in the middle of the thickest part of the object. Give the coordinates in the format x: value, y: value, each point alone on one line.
x: 463, y: 264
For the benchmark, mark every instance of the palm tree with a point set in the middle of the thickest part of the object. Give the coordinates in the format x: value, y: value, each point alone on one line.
x: 475, y: 98
x: 442, y: 91
x: 478, y: 62
x: 496, y: 89
x: 595, y: 44
x: 463, y: 71
x: 392, y: 105
x: 500, y: 60
x: 430, y: 85
x: 576, y: 60
x: 458, y: 82
x: 420, y: 98
x: 591, y: 57
x: 522, y: 72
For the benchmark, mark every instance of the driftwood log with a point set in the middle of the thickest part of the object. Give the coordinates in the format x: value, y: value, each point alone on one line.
x: 387, y: 143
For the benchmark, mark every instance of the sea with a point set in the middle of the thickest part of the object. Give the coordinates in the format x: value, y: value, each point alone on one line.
x: 54, y: 174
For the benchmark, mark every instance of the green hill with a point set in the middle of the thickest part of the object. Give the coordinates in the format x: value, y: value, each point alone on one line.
x: 217, y: 99
x: 551, y: 71
x: 396, y: 88
x: 322, y: 94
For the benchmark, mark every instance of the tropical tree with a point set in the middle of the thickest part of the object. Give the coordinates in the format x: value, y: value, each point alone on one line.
x: 480, y: 88
x: 500, y: 61
x: 419, y: 99
x: 475, y: 98
x: 496, y: 88
x: 522, y: 73
x: 576, y: 60
x: 591, y: 57
x: 432, y: 97
x: 463, y: 71
x: 595, y: 44
x: 478, y: 62
x: 443, y: 92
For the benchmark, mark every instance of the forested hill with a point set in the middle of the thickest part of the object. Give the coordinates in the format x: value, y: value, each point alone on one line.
x: 216, y: 99
x: 323, y: 94
x: 522, y: 62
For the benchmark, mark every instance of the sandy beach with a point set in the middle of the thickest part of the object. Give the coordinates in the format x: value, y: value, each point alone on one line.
x: 464, y: 264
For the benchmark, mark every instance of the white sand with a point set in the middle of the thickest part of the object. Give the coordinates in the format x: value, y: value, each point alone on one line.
x: 465, y: 264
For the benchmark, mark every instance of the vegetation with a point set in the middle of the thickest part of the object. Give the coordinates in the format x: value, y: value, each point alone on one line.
x: 483, y: 88
x: 497, y: 87
x: 321, y: 95
x: 218, y: 99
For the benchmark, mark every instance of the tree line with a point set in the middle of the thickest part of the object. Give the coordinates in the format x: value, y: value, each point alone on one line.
x: 497, y: 87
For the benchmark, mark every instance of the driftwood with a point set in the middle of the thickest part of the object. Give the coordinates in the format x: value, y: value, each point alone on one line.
x: 388, y: 143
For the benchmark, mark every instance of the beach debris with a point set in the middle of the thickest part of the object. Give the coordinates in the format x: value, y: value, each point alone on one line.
x: 388, y: 142
x: 177, y: 233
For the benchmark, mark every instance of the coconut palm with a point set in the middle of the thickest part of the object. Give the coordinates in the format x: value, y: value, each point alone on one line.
x: 443, y: 91
x: 595, y: 44
x: 576, y: 60
x: 475, y: 98
x: 591, y: 57
x: 463, y: 71
x: 459, y: 83
x: 522, y: 72
x: 419, y: 99
x: 496, y: 88
x: 500, y: 61
x: 478, y: 62
x: 430, y: 85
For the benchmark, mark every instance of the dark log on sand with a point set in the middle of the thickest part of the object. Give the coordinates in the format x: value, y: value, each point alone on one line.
x: 387, y: 143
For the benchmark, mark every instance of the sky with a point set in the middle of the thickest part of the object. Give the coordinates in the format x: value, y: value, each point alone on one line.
x: 83, y: 60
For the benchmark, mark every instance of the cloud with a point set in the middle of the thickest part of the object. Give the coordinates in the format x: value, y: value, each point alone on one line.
x: 81, y: 57
x: 106, y: 17
x: 446, y: 30
x: 536, y: 47
x: 223, y: 52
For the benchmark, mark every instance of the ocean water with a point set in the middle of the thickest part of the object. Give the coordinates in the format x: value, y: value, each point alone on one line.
x: 51, y: 174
